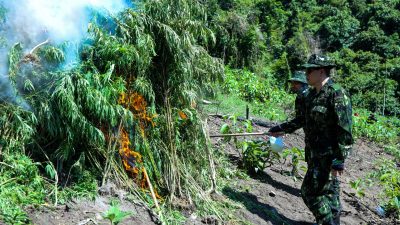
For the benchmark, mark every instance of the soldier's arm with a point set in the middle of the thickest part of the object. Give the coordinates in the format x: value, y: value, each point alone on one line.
x: 298, y: 121
x: 343, y: 114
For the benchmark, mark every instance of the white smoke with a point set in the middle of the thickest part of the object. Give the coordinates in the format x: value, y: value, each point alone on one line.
x: 61, y: 19
x: 31, y: 22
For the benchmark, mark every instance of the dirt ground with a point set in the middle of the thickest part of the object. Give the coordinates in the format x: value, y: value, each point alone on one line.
x: 90, y: 213
x: 271, y: 197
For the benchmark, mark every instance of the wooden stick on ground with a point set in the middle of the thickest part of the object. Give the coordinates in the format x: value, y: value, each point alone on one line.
x: 210, y: 159
x: 151, y: 189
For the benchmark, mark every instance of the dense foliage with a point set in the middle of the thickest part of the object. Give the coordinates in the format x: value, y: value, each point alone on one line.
x: 267, y: 99
x: 276, y: 36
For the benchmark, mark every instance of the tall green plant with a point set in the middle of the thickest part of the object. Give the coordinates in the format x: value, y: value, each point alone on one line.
x: 158, y: 49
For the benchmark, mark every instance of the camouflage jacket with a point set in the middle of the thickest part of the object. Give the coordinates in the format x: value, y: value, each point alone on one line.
x: 326, y: 118
x: 298, y: 121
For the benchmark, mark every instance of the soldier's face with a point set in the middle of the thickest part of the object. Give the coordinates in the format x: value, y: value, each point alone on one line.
x: 295, y: 86
x: 313, y: 76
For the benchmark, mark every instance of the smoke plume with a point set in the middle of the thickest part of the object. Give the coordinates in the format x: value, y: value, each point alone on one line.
x: 31, y: 22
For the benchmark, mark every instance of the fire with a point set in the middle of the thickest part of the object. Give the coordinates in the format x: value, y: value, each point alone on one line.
x: 136, y: 103
x: 182, y: 115
x: 132, y: 159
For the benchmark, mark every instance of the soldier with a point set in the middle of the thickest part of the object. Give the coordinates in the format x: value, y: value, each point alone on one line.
x: 298, y: 85
x: 327, y: 124
x: 298, y: 82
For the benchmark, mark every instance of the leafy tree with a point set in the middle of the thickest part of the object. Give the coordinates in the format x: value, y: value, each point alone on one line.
x: 393, y: 66
x: 374, y: 39
x: 294, y: 29
x: 239, y: 43
x: 273, y: 19
x: 360, y: 10
x: 338, y: 31
x: 387, y: 15
x: 226, y: 4
x: 367, y: 80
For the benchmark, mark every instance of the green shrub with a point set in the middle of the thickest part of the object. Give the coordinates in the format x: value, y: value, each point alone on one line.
x: 256, y: 155
x: 266, y: 98
x: 383, y: 130
x: 20, y: 185
x: 388, y: 176
x: 115, y: 214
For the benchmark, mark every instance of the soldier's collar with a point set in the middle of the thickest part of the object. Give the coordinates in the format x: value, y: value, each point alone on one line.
x: 327, y: 85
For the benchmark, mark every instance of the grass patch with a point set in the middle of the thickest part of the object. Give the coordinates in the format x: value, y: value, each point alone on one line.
x: 20, y: 185
x: 85, y: 187
x: 381, y: 129
x: 228, y: 104
x: 261, y: 94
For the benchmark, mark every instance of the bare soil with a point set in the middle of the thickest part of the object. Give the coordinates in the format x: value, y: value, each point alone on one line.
x: 270, y: 197
x: 86, y: 212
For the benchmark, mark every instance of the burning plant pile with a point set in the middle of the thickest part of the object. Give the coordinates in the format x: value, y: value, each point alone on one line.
x: 126, y: 108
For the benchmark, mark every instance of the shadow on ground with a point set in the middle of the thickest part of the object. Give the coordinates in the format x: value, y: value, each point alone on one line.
x: 264, y: 211
x: 267, y: 179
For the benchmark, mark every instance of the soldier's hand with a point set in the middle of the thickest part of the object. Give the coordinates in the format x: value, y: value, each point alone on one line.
x: 276, y: 131
x: 275, y: 134
x: 337, y: 167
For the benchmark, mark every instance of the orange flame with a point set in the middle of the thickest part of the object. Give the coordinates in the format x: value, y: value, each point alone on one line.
x: 137, y: 105
x: 130, y: 158
x: 182, y: 115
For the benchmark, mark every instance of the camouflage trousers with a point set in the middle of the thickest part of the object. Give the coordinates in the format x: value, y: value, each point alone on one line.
x: 320, y: 192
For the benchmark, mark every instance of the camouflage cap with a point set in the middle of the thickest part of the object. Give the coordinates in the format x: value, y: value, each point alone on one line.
x: 318, y: 61
x: 299, y: 76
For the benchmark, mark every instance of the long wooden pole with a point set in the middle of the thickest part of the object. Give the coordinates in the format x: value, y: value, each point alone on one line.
x: 238, y: 134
